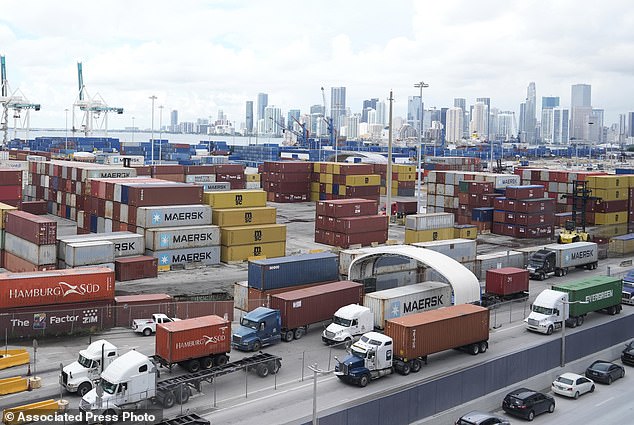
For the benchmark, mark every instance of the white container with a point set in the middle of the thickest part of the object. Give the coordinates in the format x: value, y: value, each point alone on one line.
x: 215, y: 187
x: 172, y: 216
x: 497, y: 260
x: 241, y: 295
x: 109, y: 173
x: 406, y: 300
x: 35, y: 254
x: 253, y: 185
x: 429, y: 221
x: 346, y: 256
x: 461, y: 250
x: 200, y: 178
x: 168, y: 238
x: 126, y: 244
x: 89, y: 253
x: 206, y: 255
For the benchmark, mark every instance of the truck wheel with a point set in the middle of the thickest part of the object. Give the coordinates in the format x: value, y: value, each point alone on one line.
x: 572, y: 323
x: 299, y: 332
x: 207, y: 363
x: 84, y: 388
x: 364, y: 380
x: 168, y: 400
x: 262, y: 370
x: 558, y: 273
x: 474, y: 349
x: 257, y: 345
x: 580, y: 320
x: 193, y: 366
x: 274, y: 366
x: 483, y: 347
x: 416, y: 366
x: 612, y: 310
x: 406, y: 369
x: 221, y: 359
x: 287, y: 336
x: 147, y: 332
x: 182, y: 394
x: 550, y: 330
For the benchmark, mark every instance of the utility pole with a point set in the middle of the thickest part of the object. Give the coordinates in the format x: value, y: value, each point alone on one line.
x: 388, y: 204
x: 420, y: 85
x: 153, y: 98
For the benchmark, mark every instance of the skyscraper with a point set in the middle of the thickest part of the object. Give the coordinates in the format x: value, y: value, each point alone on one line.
x: 478, y: 121
x: 413, y: 111
x: 581, y: 95
x: 263, y: 102
x: 249, y: 117
x: 547, y: 120
x: 560, y: 126
x: 368, y: 104
x: 487, y: 119
x: 507, y: 127
x: 530, y: 114
x: 550, y: 102
x: 174, y: 121
x: 290, y: 122
x: 380, y: 113
x: 317, y: 125
x: 580, y: 110
x: 337, y: 105
x: 630, y: 124
x: 454, y: 127
x: 272, y: 120
x: 461, y: 103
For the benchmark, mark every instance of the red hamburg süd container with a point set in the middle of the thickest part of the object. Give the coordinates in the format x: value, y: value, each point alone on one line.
x: 286, y: 187
x: 137, y: 267
x: 302, y: 307
x: 544, y: 205
x: 193, y: 338
x: 9, y: 177
x: 506, y: 281
x: 287, y: 197
x: 56, y: 287
x: 167, y: 169
x: 131, y: 307
x: 30, y: 227
x: 229, y: 168
x: 287, y: 177
x: 347, y: 207
x: 370, y: 223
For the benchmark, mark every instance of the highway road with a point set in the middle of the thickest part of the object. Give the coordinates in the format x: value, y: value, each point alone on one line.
x: 287, y: 397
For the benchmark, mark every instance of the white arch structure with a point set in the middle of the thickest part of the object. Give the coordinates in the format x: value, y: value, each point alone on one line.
x: 466, y: 287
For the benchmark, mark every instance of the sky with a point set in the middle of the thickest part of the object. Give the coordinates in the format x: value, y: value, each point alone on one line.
x: 201, y: 56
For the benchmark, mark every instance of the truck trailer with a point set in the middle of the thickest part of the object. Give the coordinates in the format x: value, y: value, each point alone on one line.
x: 409, y: 340
x: 558, y: 259
x: 571, y: 302
x: 505, y: 284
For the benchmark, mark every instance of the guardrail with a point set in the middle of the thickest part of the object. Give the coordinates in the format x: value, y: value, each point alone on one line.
x: 15, y: 415
x: 14, y: 357
x: 12, y: 385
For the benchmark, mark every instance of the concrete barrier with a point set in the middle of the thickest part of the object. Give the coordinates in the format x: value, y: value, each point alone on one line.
x: 13, y: 415
x: 12, y: 385
x: 15, y: 357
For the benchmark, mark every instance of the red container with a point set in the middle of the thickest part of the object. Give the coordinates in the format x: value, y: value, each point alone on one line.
x: 137, y: 267
x: 193, y: 338
x: 303, y: 307
x: 288, y: 197
x: 406, y: 207
x: 57, y: 320
x: 325, y: 223
x: 131, y: 307
x: 499, y: 216
x: 33, y: 228
x: 56, y: 287
x: 289, y: 167
x: 164, y: 194
x: 200, y: 169
x: 610, y: 206
x: 353, y: 169
x: 167, y: 169
x: 347, y: 208
x: 287, y: 187
x: 525, y: 192
x: 190, y: 309
x: 9, y: 177
x: 144, y: 170
x: 287, y: 177
x: 344, y: 240
x: 544, y: 205
x: 534, y: 219
x: 370, y: 223
x: 15, y: 264
x: 10, y: 192
x: 506, y: 281
x: 534, y: 232
x: 229, y: 168
x: 325, y: 237
x: 34, y: 207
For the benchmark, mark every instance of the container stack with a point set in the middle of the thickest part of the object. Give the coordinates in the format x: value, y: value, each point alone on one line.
x: 233, y: 174
x: 461, y: 250
x: 475, y: 204
x: 497, y: 260
x: 622, y: 245
x: 403, y: 179
x: 252, y: 180
x: 451, y: 163
x: 524, y: 213
x: 346, y: 222
x: 614, y: 191
x: 4, y: 208
x: 247, y: 226
x: 30, y: 242
x: 287, y: 181
x: 428, y: 227
x: 169, y: 172
x: 10, y: 186
x: 332, y: 180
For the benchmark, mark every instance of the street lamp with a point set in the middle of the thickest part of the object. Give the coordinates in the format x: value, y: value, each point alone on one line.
x: 316, y: 371
x: 153, y: 98
x: 563, y: 329
x: 66, y: 129
x: 160, y: 133
x: 420, y: 86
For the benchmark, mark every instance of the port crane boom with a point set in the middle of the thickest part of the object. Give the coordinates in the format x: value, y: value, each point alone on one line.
x: 17, y: 102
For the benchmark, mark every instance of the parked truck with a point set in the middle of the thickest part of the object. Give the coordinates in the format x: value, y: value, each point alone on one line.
x: 131, y: 381
x: 505, y: 284
x: 148, y: 326
x: 292, y: 312
x: 571, y: 302
x: 558, y: 259
x: 82, y: 375
x: 628, y: 288
x: 410, y: 339
x: 348, y: 322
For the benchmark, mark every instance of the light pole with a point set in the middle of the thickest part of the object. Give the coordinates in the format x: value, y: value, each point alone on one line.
x: 316, y: 371
x: 153, y: 98
x: 420, y: 85
x: 160, y: 133
x: 66, y: 129
x: 565, y: 305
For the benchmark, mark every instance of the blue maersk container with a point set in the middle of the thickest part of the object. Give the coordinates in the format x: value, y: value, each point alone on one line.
x: 283, y: 272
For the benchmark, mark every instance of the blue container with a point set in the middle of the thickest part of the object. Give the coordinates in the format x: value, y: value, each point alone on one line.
x: 286, y: 272
x: 482, y: 214
x: 624, y: 171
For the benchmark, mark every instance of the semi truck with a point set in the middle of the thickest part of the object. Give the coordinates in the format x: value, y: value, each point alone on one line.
x: 628, y: 288
x: 409, y: 340
x: 82, y: 375
x: 131, y: 381
x: 569, y: 303
x: 348, y: 322
x: 505, y: 284
x: 558, y: 259
x: 292, y: 312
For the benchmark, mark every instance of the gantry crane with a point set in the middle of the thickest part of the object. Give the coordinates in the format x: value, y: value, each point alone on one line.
x: 302, y: 138
x: 284, y: 128
x: 329, y: 123
x: 17, y: 102
x: 94, y: 109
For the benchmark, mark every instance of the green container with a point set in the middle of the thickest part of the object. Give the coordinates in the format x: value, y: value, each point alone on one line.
x: 600, y: 292
x: 463, y: 186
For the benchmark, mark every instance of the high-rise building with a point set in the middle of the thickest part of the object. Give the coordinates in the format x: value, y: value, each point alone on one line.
x: 580, y: 110
x: 559, y: 126
x: 581, y: 95
x: 263, y: 102
x: 272, y: 120
x: 414, y: 111
x: 174, y: 121
x: 454, y: 127
x: 487, y: 120
x: 461, y: 103
x: 380, y: 113
x: 317, y: 125
x: 337, y: 105
x: 530, y: 114
x: 522, y: 127
x: 368, y: 104
x: 623, y: 129
x: 478, y: 121
x: 507, y: 127
x: 353, y: 127
x: 290, y: 122
x: 547, y: 125
x: 249, y: 117
x: 595, y: 126
x: 550, y: 102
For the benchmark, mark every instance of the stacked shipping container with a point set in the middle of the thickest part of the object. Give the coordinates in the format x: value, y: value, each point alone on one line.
x: 346, y: 222
x: 403, y: 179
x: 29, y: 242
x: 4, y: 208
x: 332, y: 180
x: 524, y: 213
x: 287, y: 181
x: 429, y: 227
x: 10, y: 186
x: 475, y: 204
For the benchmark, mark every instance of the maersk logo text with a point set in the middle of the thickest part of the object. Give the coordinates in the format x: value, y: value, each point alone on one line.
x: 182, y: 216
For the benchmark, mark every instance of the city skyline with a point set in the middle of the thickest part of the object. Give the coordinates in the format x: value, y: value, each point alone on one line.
x: 467, y: 51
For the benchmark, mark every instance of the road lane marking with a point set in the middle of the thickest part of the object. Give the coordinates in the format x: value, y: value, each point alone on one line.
x: 604, y: 401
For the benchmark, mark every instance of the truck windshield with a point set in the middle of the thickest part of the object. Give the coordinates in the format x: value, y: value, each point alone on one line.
x: 341, y: 321
x: 108, y: 387
x: 358, y: 353
x: 85, y: 362
x: 370, y: 341
x: 542, y: 310
x: 249, y: 323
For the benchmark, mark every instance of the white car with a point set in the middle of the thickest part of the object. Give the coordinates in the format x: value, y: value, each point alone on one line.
x: 572, y: 385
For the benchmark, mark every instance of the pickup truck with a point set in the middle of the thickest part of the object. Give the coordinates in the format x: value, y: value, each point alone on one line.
x: 148, y: 326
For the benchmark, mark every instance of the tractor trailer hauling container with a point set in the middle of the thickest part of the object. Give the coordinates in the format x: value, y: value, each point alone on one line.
x: 410, y: 339
x: 557, y: 259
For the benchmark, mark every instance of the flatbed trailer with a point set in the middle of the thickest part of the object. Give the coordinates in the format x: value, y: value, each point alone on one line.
x: 191, y: 419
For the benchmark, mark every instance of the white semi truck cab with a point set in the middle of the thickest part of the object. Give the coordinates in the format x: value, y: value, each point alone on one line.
x: 347, y: 323
x: 82, y: 375
x: 548, y: 312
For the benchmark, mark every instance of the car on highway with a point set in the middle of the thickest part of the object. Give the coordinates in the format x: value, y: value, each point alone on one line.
x: 605, y: 372
x: 527, y: 403
x: 481, y: 418
x: 627, y: 356
x: 572, y: 385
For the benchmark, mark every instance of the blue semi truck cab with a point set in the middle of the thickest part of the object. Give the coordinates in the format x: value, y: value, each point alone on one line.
x: 370, y: 358
x: 258, y: 328
x: 628, y: 288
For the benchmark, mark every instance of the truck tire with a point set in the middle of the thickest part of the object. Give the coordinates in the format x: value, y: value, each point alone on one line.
x: 474, y: 349
x: 416, y: 365
x: 84, y: 388
x: 147, y: 332
x: 484, y: 346
x: 558, y: 272
x: 287, y: 336
x: 262, y: 370
x: 168, y: 400
x: 275, y: 366
x: 364, y: 380
x: 299, y: 332
x: 193, y: 365
x: 550, y: 330
x: 221, y: 359
x: 406, y: 369
x: 181, y: 394
x: 580, y: 320
x: 257, y: 345
x: 206, y: 362
x: 612, y: 310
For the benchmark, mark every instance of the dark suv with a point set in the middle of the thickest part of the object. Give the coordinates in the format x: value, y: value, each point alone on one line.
x: 528, y: 403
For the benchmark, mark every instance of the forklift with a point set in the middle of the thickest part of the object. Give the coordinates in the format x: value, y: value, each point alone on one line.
x: 575, y: 229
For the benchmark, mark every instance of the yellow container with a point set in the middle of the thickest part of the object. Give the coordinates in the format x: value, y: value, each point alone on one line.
x: 363, y: 180
x: 383, y: 191
x: 243, y: 216
x: 318, y: 169
x: 610, y: 218
x: 611, y: 194
x: 3, y: 209
x: 244, y: 235
x: 252, y: 177
x: 470, y: 232
x: 328, y: 188
x: 325, y: 178
x: 400, y: 168
x: 412, y: 236
x: 608, y: 182
x: 621, y: 246
x: 406, y: 177
x: 314, y: 196
x: 235, y: 199
x: 631, y: 181
x: 314, y: 187
x: 243, y: 252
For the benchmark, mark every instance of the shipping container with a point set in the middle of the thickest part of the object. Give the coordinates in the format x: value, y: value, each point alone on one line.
x: 191, y: 339
x: 125, y: 243
x: 244, y: 235
x: 244, y: 252
x: 172, y: 216
x: 597, y: 293
x: 497, y: 260
x: 167, y: 238
x: 345, y: 240
x: 506, y: 281
x: 87, y: 253
x: 244, y: 216
x: 10, y: 177
x: 33, y: 228
x: 4, y: 208
x: 370, y: 223
x: 524, y: 192
x: 235, y: 199
x: 145, y: 195
x: 136, y: 267
x: 442, y: 329
x: 131, y: 307
x: 35, y: 254
x: 56, y: 287
x: 208, y: 255
x: 461, y: 250
x: 405, y: 300
x: 303, y: 307
x: 247, y: 298
x: 347, y: 207
x: 622, y: 245
x: 431, y: 221
x: 15, y: 264
x: 412, y: 236
x: 293, y: 270
x: 34, y: 207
